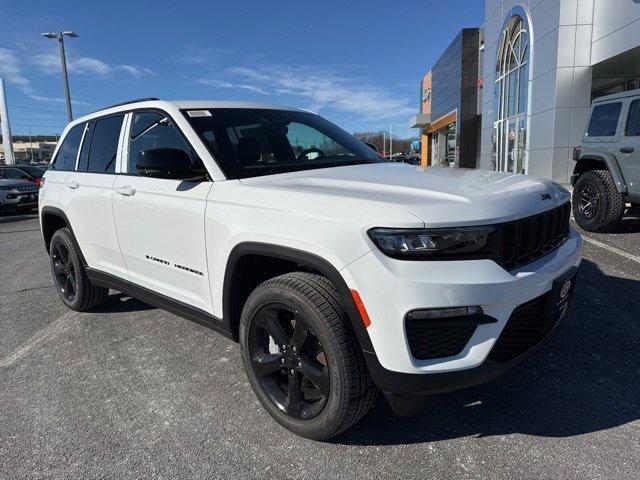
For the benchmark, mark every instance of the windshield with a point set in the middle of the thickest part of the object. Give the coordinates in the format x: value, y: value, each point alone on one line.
x: 254, y: 142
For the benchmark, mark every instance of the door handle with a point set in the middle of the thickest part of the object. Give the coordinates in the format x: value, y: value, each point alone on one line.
x: 72, y: 184
x: 126, y: 191
x: 626, y: 150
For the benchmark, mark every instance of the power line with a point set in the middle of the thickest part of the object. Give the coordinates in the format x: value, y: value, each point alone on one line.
x: 34, y: 109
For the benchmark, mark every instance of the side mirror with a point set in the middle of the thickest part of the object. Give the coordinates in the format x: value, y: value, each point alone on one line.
x: 173, y: 163
x: 371, y: 146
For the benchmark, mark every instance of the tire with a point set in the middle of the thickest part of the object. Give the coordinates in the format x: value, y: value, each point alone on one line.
x: 597, y: 205
x: 71, y: 281
x: 303, y: 300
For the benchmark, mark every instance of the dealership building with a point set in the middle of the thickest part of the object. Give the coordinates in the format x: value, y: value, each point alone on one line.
x: 539, y: 64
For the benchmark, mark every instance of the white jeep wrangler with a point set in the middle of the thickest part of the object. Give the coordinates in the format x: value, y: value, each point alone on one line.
x: 340, y: 274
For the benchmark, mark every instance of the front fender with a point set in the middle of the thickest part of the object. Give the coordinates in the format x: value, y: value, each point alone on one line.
x: 609, y: 160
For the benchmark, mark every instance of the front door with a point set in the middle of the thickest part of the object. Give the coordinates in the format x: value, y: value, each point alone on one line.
x: 160, y: 222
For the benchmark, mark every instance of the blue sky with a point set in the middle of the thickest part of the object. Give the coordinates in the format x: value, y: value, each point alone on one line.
x: 357, y: 63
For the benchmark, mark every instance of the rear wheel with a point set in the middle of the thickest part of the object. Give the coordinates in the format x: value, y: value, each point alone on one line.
x: 597, y: 204
x: 71, y: 281
x: 300, y: 359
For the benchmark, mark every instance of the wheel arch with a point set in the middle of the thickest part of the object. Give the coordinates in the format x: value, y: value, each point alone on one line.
x: 234, y: 294
x: 600, y: 161
x: 53, y: 219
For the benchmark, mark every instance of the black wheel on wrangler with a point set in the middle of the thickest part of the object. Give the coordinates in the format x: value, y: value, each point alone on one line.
x: 70, y: 279
x: 597, y: 204
x: 300, y: 359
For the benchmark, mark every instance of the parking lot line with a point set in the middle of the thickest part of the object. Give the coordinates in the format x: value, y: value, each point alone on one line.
x: 630, y: 256
x: 52, y: 330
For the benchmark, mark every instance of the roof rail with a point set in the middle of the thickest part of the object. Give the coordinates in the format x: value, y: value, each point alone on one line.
x: 136, y: 100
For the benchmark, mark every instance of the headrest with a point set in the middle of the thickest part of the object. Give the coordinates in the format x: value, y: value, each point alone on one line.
x: 248, y: 151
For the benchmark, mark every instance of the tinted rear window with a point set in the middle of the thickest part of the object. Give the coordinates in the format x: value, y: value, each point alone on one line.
x: 68, y: 152
x: 604, y: 120
x: 633, y: 119
x: 104, y: 145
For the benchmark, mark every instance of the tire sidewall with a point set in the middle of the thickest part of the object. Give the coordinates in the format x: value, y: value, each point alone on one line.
x: 329, y: 417
x: 63, y: 237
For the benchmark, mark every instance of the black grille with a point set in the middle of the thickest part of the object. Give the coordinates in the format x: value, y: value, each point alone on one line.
x: 527, y: 326
x: 525, y: 240
x: 25, y: 188
x: 427, y: 342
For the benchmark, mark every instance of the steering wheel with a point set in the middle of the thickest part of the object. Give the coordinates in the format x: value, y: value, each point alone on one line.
x: 306, y: 152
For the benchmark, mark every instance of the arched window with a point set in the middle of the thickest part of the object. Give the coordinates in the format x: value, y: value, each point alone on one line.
x: 511, y: 92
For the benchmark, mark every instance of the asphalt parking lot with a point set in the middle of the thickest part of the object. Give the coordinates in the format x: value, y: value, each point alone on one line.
x: 133, y: 391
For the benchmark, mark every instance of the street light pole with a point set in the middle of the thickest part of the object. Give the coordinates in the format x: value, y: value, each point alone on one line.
x: 63, y: 60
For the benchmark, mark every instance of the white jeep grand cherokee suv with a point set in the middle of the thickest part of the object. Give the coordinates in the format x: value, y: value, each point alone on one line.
x: 340, y: 274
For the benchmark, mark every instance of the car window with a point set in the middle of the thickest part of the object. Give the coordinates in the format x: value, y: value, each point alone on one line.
x: 13, y: 173
x: 104, y: 144
x: 604, y: 120
x: 633, y: 122
x: 151, y: 130
x: 33, y: 171
x: 68, y: 151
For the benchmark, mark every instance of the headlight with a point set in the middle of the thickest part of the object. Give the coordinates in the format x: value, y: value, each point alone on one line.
x: 432, y: 242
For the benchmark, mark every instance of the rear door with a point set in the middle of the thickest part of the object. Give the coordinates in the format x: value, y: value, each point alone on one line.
x: 628, y: 153
x: 88, y: 195
x: 64, y: 162
x: 159, y: 221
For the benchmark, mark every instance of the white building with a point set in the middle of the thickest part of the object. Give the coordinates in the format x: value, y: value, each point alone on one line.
x: 544, y: 61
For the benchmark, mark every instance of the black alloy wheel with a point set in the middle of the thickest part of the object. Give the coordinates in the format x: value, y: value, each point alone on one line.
x: 289, y: 361
x: 588, y: 201
x: 64, y: 272
x: 69, y: 276
x: 301, y: 360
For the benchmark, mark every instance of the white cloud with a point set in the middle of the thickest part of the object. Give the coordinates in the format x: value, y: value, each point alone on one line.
x: 324, y: 89
x: 223, y: 84
x: 50, y: 63
x: 11, y: 69
x: 137, y: 72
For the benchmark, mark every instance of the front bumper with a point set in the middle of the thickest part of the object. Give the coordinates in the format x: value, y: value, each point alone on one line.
x: 391, y: 288
x: 19, y: 200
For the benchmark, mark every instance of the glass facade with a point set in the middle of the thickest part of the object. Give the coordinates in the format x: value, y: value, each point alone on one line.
x: 510, y: 97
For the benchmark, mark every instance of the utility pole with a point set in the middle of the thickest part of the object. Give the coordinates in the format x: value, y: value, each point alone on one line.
x: 9, y: 159
x: 30, y: 144
x: 390, y: 142
x: 63, y: 60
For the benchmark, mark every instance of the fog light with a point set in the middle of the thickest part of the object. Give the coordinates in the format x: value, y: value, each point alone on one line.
x: 444, y: 313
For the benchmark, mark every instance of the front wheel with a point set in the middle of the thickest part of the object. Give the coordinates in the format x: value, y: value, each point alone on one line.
x: 300, y: 358
x: 597, y: 204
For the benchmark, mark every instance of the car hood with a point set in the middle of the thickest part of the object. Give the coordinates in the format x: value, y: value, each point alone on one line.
x: 439, y: 196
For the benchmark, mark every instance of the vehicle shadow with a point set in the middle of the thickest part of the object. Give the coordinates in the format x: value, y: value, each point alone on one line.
x: 7, y: 218
x: 120, y: 303
x: 584, y: 380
